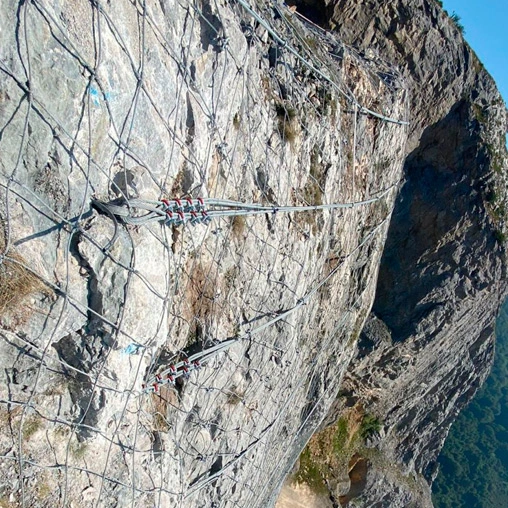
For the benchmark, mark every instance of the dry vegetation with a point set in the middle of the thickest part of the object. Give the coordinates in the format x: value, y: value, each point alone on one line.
x: 162, y: 401
x: 288, y: 125
x: 237, y: 120
x: 201, y: 297
x: 238, y: 224
x: 31, y: 425
x: 10, y: 418
x: 177, y: 186
x: 16, y: 282
x: 311, y: 194
x: 333, y: 453
x: 235, y: 396
x: 78, y: 450
x: 5, y: 503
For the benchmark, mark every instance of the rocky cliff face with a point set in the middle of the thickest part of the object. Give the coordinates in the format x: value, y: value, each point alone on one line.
x: 146, y: 100
x: 429, y: 343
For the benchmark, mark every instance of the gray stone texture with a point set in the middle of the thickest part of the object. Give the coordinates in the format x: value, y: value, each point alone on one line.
x: 154, y: 99
x: 443, y: 271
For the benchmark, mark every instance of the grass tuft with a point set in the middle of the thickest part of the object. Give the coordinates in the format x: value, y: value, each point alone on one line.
x: 287, y: 122
x: 30, y: 426
x: 16, y: 282
x: 238, y: 226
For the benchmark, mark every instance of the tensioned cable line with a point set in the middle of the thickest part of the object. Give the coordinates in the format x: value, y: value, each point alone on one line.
x: 313, y: 68
x: 202, y: 210
x: 195, y: 361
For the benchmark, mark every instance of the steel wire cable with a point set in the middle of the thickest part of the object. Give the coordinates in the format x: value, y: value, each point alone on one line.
x: 318, y: 72
x: 261, y: 305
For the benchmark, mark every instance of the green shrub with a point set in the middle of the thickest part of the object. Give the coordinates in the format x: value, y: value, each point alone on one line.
x: 500, y: 236
x: 456, y: 21
x: 369, y: 426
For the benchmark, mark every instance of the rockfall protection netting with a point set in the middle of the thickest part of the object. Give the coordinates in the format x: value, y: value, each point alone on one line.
x: 175, y: 356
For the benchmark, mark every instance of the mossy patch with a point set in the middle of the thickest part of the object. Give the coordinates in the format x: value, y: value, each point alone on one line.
x: 310, y: 473
x: 327, y: 457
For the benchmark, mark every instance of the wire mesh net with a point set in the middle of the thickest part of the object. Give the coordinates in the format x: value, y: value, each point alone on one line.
x: 168, y: 362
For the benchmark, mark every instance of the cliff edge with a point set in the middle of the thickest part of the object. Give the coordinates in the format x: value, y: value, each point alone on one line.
x: 429, y: 343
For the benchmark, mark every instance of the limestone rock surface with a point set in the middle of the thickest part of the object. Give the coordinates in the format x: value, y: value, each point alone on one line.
x: 429, y: 343
x: 160, y: 99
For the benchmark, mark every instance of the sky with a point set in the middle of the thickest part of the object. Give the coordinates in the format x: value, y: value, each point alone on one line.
x: 486, y: 31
